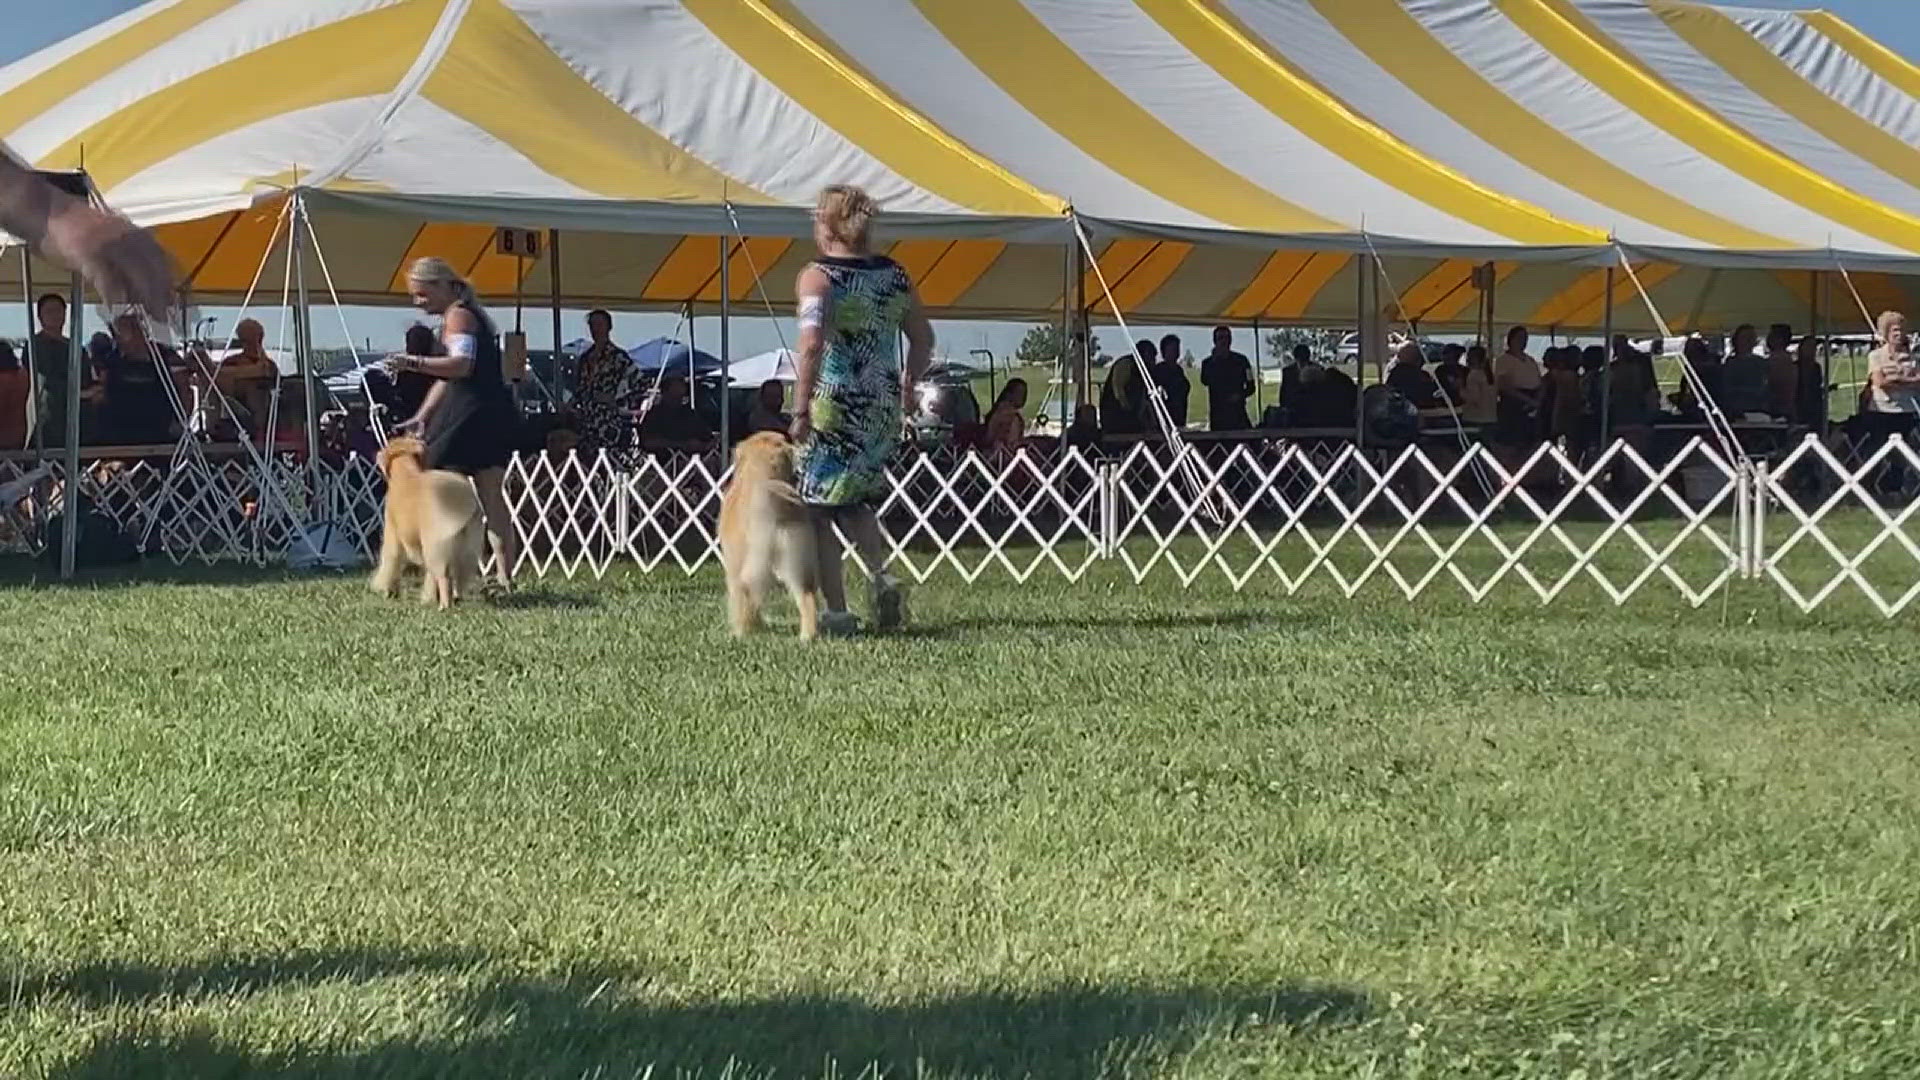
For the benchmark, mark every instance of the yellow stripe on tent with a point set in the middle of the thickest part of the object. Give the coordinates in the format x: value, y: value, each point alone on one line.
x: 1385, y: 32
x: 503, y: 78
x: 957, y: 271
x: 1115, y: 262
x: 757, y: 252
x: 1299, y: 294
x: 1007, y: 43
x: 1436, y: 285
x: 1559, y: 309
x: 59, y: 83
x: 1132, y: 292
x: 685, y: 271
x: 1562, y: 30
x: 1260, y: 293
x: 1727, y: 44
x: 1879, y: 59
x: 1213, y: 36
x: 918, y: 257
x: 1450, y: 307
x: 1583, y: 303
x: 295, y: 73
x: 883, y: 127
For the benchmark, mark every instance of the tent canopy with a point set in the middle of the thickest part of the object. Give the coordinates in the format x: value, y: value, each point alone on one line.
x: 1228, y: 157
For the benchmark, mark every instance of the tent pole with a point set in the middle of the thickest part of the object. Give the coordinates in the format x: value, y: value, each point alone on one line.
x: 1259, y: 394
x: 303, y: 339
x: 1606, y: 368
x: 1371, y: 343
x: 553, y: 276
x: 692, y: 344
x: 1822, y: 314
x: 70, y: 478
x: 1065, y: 370
x: 35, y: 364
x: 726, y: 356
x: 1077, y: 301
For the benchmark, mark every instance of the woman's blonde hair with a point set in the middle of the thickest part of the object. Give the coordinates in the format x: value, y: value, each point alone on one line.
x: 1883, y: 326
x: 433, y: 270
x: 847, y: 212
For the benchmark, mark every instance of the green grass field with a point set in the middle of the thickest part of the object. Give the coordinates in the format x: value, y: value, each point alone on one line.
x: 275, y: 826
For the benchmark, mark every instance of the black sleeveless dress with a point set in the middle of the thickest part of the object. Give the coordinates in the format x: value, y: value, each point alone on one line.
x: 474, y: 428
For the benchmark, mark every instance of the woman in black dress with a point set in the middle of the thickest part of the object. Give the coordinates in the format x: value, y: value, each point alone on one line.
x: 469, y: 418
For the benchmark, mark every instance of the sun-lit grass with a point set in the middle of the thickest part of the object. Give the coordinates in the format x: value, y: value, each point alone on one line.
x: 278, y: 826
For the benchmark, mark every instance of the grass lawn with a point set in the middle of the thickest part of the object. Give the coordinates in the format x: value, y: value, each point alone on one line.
x: 276, y: 826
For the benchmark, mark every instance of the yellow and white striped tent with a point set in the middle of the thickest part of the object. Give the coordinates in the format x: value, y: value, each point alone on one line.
x: 1232, y: 159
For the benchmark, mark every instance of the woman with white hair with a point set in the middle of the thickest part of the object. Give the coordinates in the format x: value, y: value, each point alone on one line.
x: 851, y: 394
x: 469, y: 418
x: 1893, y: 396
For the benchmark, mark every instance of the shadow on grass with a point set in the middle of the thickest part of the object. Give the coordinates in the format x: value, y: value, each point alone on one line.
x: 1227, y: 620
x: 26, y: 572
x: 541, y: 599
x: 591, y: 1024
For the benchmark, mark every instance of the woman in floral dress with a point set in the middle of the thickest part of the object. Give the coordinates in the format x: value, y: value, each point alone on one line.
x: 851, y: 395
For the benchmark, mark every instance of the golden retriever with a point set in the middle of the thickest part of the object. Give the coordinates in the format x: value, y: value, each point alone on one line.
x: 766, y: 535
x: 433, y: 522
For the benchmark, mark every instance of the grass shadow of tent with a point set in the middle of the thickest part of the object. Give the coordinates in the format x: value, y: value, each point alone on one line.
x: 599, y: 1022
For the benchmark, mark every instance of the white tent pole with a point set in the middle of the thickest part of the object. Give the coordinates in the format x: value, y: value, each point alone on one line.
x: 34, y: 364
x: 553, y: 273
x: 1065, y: 372
x: 726, y: 355
x: 1822, y: 319
x: 303, y: 341
x: 70, y: 478
x: 1606, y: 368
x: 1259, y: 380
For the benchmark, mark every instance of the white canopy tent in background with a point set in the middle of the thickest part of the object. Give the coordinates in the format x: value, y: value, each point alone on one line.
x: 755, y: 370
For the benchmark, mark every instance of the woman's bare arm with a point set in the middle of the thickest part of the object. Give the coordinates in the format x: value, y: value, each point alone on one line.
x: 811, y: 293
x: 919, y: 348
x: 459, y: 321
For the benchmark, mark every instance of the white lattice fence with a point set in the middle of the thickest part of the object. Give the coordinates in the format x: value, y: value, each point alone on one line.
x: 1818, y: 521
x: 1829, y: 520
x: 1295, y: 513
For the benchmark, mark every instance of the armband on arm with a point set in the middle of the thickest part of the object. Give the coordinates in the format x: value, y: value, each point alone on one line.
x: 812, y: 313
x: 462, y: 346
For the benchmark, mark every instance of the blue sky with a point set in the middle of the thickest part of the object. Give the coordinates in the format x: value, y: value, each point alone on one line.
x: 34, y: 24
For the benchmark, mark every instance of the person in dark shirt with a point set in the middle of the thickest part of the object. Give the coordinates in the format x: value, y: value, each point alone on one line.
x: 1123, y: 397
x: 1171, y: 378
x: 1408, y: 376
x: 1228, y: 378
x: 1451, y: 371
x: 135, y: 408
x: 1302, y: 359
x: 672, y: 425
x: 1327, y: 398
x: 49, y: 358
x: 1084, y: 433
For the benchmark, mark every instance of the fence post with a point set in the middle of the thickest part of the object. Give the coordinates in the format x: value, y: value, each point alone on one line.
x: 1108, y: 481
x: 1758, y: 516
x: 623, y: 488
x: 1742, y: 515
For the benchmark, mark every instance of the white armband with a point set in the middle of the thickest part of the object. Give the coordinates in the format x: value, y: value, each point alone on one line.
x: 813, y: 313
x: 462, y: 346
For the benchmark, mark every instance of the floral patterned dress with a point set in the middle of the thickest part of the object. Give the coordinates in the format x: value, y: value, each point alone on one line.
x: 856, y: 402
x: 596, y: 397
